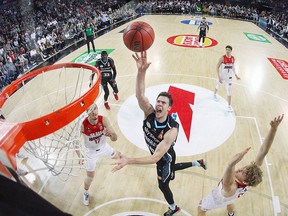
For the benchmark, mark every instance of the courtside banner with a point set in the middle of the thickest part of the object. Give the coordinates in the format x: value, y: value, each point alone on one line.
x: 281, y: 66
x: 256, y: 37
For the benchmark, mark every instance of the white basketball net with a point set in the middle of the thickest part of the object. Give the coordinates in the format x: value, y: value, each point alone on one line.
x: 58, y: 151
x: 46, y: 93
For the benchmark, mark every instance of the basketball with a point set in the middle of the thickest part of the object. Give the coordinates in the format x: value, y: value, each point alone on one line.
x: 138, y: 36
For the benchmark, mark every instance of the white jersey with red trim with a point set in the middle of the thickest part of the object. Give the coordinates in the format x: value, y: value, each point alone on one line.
x: 93, y: 134
x: 227, y: 67
x: 215, y: 199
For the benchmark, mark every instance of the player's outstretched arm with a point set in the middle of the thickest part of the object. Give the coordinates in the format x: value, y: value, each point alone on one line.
x: 161, y: 149
x: 268, y: 140
x: 142, y: 65
x: 229, y: 175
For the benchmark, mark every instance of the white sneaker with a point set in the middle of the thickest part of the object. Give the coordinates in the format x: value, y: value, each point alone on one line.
x: 85, y: 198
x: 203, y: 45
x: 21, y: 172
x: 21, y: 156
x: 215, y: 97
x: 230, y: 109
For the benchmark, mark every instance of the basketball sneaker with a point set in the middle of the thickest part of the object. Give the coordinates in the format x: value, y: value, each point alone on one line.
x: 171, y: 212
x: 107, y: 105
x: 215, y: 97
x: 86, y: 198
x: 21, y: 172
x: 231, y: 214
x: 21, y: 156
x: 116, y: 96
x: 230, y: 109
x: 202, y: 163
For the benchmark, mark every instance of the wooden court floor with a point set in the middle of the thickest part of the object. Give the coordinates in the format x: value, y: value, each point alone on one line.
x: 260, y: 95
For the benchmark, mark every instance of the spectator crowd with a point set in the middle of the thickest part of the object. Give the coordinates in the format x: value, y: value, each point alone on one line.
x: 276, y: 18
x: 32, y: 31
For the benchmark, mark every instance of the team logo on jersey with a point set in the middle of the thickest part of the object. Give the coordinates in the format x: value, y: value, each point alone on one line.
x: 204, y: 124
x: 194, y: 22
x: 148, y: 125
x: 190, y: 41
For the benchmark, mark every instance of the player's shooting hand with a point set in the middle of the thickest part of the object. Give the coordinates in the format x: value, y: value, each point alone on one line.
x: 123, y: 161
x: 141, y: 61
x: 276, y: 121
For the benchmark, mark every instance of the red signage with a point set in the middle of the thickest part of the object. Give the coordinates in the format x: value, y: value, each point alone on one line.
x: 190, y: 41
x: 281, y: 66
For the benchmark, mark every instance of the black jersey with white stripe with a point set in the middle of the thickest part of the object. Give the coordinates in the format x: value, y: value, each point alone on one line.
x: 105, y: 68
x: 203, y: 26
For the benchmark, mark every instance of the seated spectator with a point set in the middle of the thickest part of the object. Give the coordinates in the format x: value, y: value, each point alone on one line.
x: 35, y: 56
x: 12, y: 70
x: 43, y: 51
x: 3, y: 76
x: 23, y: 61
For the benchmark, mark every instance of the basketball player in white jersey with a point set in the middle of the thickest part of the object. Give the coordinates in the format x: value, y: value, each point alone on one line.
x: 225, y: 72
x: 235, y: 183
x: 95, y: 128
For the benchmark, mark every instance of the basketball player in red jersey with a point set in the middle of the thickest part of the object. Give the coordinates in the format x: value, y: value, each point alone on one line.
x: 235, y: 183
x: 95, y: 128
x: 225, y: 72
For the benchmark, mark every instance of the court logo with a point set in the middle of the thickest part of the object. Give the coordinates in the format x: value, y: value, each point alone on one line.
x: 194, y: 22
x: 204, y: 123
x: 281, y: 66
x: 190, y: 41
x: 92, y: 57
x: 256, y: 37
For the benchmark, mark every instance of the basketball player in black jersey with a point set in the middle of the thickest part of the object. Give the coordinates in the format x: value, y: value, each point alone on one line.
x: 108, y: 70
x: 204, y: 27
x: 160, y: 133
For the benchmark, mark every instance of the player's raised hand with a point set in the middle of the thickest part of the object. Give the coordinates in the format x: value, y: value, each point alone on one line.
x: 276, y: 121
x: 238, y: 157
x: 141, y: 61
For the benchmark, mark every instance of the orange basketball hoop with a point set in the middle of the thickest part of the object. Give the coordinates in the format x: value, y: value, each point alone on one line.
x: 14, y: 135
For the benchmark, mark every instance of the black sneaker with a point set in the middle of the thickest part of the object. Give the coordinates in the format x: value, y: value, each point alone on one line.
x: 231, y: 214
x: 171, y: 212
x: 202, y: 163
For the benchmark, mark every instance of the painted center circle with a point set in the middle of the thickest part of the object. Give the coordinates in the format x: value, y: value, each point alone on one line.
x: 204, y: 123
